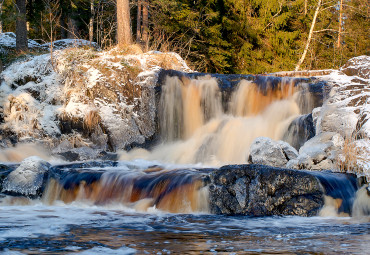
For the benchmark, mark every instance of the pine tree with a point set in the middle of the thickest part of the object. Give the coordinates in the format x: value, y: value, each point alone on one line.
x: 123, y: 23
x: 21, y: 26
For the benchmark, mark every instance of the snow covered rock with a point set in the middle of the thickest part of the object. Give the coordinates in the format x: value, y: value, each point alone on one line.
x: 266, y: 151
x: 28, y: 179
x: 358, y: 66
x: 8, y: 42
x: 83, y: 98
x: 346, y: 112
x: 319, y: 152
x: 70, y: 43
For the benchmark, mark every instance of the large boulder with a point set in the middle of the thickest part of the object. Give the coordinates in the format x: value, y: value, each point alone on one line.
x: 266, y: 151
x: 28, y: 179
x: 260, y: 190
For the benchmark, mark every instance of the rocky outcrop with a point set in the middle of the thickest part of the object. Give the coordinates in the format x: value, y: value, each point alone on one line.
x: 266, y: 151
x: 358, y: 66
x: 258, y: 190
x: 83, y: 98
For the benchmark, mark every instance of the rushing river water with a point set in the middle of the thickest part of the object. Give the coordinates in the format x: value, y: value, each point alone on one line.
x: 77, y: 228
x: 154, y: 209
x: 38, y: 226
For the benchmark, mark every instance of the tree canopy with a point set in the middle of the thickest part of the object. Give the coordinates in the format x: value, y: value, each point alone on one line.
x: 225, y: 36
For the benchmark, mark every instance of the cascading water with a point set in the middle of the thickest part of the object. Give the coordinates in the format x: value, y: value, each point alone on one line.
x: 104, y: 207
x: 197, y: 127
x: 176, y: 191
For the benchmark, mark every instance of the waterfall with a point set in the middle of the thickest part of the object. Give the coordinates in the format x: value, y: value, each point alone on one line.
x: 196, y: 127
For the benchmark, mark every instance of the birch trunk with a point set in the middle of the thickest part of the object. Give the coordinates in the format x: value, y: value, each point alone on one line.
x: 309, y: 36
x: 91, y: 23
x: 340, y: 23
x: 305, y: 7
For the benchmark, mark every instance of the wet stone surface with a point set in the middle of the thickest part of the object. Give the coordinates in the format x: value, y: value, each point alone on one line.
x: 258, y: 190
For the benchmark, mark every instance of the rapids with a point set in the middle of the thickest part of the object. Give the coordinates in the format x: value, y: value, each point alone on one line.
x: 161, y: 200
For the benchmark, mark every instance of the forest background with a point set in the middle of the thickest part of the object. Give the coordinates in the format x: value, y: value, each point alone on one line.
x: 223, y: 36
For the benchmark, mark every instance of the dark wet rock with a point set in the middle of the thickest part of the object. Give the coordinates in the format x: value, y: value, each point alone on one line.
x: 300, y: 131
x: 5, y: 170
x: 266, y: 151
x: 28, y: 179
x: 258, y: 190
x: 359, y: 66
x: 86, y: 153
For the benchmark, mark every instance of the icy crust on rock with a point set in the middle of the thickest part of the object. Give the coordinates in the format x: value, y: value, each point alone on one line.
x: 30, y: 95
x: 28, y: 178
x: 83, y: 97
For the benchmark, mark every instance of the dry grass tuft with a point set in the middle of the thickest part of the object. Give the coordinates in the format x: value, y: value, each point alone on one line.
x: 92, y: 119
x: 164, y: 60
x: 352, y: 157
x: 132, y: 49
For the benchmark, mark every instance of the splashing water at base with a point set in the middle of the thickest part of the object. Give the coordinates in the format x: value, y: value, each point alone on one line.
x: 22, y: 151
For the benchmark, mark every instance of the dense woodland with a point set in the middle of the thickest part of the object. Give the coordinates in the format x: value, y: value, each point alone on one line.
x: 224, y: 36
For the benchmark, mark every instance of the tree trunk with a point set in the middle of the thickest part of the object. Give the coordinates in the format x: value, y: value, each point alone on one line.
x: 91, y: 24
x: 305, y: 7
x: 145, y: 29
x: 62, y: 19
x: 21, y: 26
x: 1, y: 13
x: 340, y: 23
x: 138, y: 21
x: 123, y: 23
x: 72, y: 28
x: 309, y: 36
